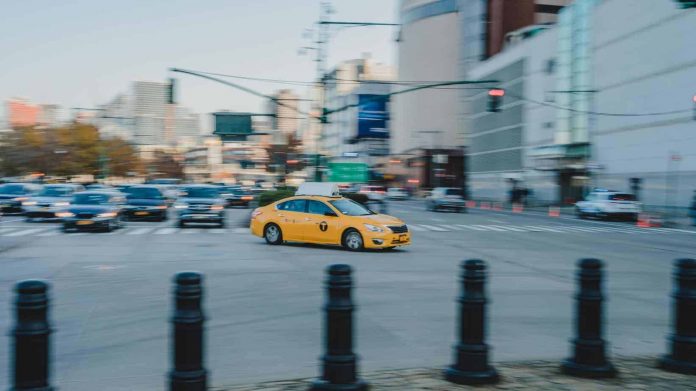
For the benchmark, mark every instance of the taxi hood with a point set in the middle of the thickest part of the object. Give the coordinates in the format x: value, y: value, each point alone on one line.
x: 383, y: 219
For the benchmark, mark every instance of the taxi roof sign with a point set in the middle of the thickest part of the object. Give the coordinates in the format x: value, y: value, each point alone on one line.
x: 318, y: 189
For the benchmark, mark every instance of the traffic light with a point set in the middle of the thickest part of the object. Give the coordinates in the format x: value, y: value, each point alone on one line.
x: 686, y: 3
x: 495, y: 96
x: 171, y: 91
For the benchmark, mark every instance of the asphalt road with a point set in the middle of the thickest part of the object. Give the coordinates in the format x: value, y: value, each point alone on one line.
x: 111, y: 293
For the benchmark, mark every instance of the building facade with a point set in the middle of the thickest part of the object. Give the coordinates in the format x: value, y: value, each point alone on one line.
x: 357, y: 97
x: 149, y: 112
x: 21, y: 112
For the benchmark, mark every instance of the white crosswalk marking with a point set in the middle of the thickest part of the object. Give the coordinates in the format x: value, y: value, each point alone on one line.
x: 190, y: 231
x: 471, y: 227
x: 139, y: 231
x: 490, y: 227
x: 217, y: 230
x: 451, y: 227
x: 434, y: 228
x: 576, y: 229
x: 26, y: 232
x: 6, y: 230
x: 416, y: 228
x: 547, y: 229
x: 241, y: 230
x: 510, y: 228
x: 166, y: 231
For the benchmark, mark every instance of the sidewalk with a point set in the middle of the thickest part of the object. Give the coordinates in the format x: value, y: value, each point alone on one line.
x: 635, y: 373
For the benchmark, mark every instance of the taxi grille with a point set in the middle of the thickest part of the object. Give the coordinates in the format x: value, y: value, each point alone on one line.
x: 398, y: 229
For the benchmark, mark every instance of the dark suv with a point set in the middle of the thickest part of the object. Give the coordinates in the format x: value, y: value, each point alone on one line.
x: 200, y: 204
x: 145, y: 203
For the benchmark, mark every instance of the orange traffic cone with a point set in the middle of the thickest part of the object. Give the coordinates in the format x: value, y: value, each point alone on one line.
x: 517, y: 208
x: 485, y: 205
x: 498, y: 207
x: 643, y: 221
x: 554, y: 211
x: 471, y: 204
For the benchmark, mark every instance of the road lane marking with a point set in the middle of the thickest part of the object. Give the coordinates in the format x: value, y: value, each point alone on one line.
x: 451, y: 227
x: 544, y: 228
x: 217, y: 230
x: 166, y: 231
x: 53, y: 232
x: 26, y: 232
x: 4, y: 230
x: 190, y: 231
x: 241, y: 230
x: 433, y: 228
x: 510, y: 228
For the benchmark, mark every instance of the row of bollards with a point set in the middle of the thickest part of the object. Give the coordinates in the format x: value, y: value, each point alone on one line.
x: 471, y: 366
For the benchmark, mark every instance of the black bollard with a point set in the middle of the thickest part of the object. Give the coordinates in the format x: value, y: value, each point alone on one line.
x: 589, y: 357
x: 31, y: 337
x: 682, y: 343
x: 339, y: 370
x: 471, y: 353
x: 187, y: 321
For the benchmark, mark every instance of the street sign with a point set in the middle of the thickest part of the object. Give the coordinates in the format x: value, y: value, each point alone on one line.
x: 348, y: 172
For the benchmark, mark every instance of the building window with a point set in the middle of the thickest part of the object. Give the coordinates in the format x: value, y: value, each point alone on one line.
x: 550, y: 67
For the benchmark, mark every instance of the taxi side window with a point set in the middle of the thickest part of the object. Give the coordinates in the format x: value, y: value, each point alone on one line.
x: 318, y: 208
x: 293, y: 206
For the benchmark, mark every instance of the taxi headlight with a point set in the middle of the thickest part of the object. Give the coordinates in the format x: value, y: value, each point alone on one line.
x: 161, y: 207
x: 107, y: 214
x: 61, y: 204
x: 28, y: 203
x: 374, y: 228
x: 63, y: 215
x: 217, y: 207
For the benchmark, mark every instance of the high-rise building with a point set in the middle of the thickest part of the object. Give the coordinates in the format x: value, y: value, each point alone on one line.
x: 21, y: 112
x: 149, y: 112
x: 284, y: 108
x: 187, y: 126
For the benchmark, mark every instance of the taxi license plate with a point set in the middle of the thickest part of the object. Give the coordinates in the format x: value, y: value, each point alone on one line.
x: 141, y: 213
x: 85, y: 222
x: 403, y: 238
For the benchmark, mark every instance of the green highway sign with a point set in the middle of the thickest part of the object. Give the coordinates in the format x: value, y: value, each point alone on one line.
x: 348, y: 172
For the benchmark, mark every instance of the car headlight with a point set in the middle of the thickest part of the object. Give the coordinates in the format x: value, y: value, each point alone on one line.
x: 63, y: 215
x: 161, y: 207
x: 180, y: 206
x: 374, y: 228
x: 61, y: 204
x: 107, y: 214
x: 28, y: 203
x: 20, y: 199
x: 217, y: 207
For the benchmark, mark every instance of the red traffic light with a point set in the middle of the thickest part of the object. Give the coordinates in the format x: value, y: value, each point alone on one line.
x: 496, y: 92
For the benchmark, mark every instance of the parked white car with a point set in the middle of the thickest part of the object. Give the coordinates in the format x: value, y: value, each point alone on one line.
x: 397, y: 193
x: 606, y: 204
x: 374, y: 193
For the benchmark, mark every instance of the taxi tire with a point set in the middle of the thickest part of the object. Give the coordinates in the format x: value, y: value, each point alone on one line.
x: 344, y: 240
x: 278, y: 240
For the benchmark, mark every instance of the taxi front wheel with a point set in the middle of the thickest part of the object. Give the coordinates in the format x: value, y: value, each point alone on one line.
x: 273, y: 234
x: 352, y: 240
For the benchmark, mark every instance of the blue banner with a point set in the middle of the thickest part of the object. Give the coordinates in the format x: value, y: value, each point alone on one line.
x: 373, y: 116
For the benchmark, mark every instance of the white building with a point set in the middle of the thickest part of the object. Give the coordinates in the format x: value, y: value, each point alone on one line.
x: 643, y: 61
x: 149, y: 110
x: 284, y: 108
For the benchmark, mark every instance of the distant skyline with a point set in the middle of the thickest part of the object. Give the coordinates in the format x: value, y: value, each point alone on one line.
x: 83, y: 53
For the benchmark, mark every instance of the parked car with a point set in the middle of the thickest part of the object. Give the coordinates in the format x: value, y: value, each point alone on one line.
x: 200, y: 204
x: 13, y: 194
x: 374, y: 193
x: 236, y: 196
x: 94, y: 210
x: 443, y: 198
x: 50, y: 200
x: 145, y: 202
x: 607, y: 204
x: 397, y: 193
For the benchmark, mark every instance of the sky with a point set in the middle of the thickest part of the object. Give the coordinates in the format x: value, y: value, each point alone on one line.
x: 81, y: 53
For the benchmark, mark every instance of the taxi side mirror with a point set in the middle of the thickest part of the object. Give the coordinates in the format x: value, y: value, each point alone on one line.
x: 330, y: 213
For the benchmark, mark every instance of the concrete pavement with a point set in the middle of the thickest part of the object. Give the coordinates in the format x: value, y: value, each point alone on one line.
x: 111, y: 294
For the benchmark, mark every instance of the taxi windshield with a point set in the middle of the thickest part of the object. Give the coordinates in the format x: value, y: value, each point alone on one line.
x: 350, y: 208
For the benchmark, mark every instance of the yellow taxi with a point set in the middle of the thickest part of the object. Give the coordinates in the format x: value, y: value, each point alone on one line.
x: 317, y: 214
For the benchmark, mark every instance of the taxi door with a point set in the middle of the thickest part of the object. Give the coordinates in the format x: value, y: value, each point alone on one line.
x: 289, y: 215
x: 317, y: 226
